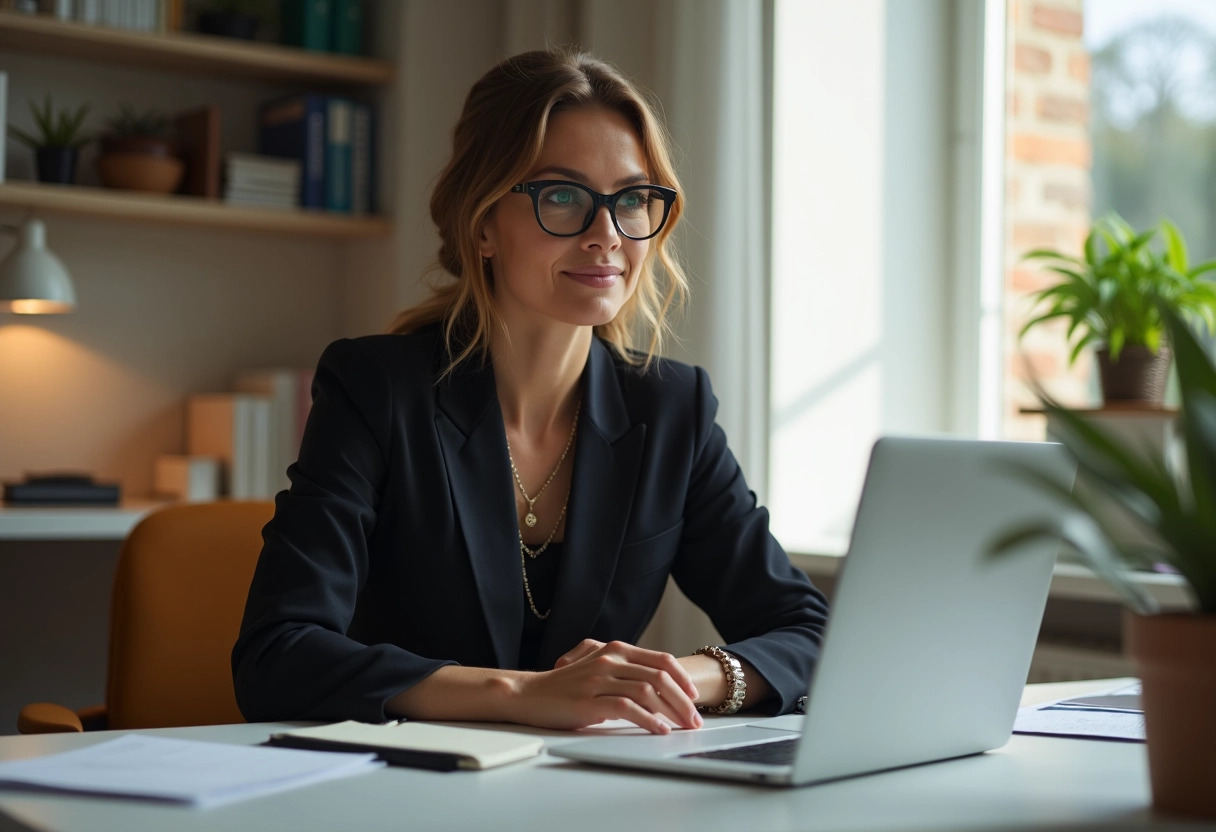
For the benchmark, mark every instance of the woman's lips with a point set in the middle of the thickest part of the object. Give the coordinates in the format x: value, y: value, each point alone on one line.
x: 598, y: 277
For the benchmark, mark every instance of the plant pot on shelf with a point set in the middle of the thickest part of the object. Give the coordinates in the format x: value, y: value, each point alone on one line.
x: 1139, y: 375
x: 140, y: 163
x: 1175, y: 656
x: 56, y: 164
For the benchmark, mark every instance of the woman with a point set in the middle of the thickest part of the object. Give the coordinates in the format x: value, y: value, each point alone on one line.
x: 488, y: 502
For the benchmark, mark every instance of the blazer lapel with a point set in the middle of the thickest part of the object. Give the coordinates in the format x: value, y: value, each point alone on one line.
x: 470, y: 428
x: 608, y: 453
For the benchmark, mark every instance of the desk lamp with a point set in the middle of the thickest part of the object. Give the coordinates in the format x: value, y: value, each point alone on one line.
x: 33, y: 281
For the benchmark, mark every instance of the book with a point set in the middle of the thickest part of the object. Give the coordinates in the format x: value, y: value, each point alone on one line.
x: 198, y: 136
x: 306, y: 23
x: 188, y: 478
x: 362, y: 159
x: 282, y: 388
x: 346, y: 27
x: 294, y: 128
x: 338, y: 149
x: 61, y: 489
x: 416, y: 744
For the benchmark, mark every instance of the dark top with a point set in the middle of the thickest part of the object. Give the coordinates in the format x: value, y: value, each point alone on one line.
x: 395, y: 551
x: 542, y: 578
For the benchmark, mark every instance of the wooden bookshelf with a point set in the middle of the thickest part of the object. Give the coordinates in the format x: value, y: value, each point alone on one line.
x: 188, y: 52
x: 186, y: 210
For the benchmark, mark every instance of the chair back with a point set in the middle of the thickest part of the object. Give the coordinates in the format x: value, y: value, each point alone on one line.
x: 179, y: 593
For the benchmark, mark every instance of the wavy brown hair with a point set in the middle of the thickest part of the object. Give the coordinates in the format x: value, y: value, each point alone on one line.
x: 497, y: 140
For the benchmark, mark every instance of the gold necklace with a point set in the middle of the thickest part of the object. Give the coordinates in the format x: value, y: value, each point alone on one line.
x: 523, y: 561
x: 530, y: 517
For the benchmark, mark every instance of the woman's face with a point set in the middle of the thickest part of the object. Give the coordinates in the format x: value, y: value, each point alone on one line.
x: 582, y: 280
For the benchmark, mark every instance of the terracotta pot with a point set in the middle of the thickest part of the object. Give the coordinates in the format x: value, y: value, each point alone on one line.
x: 140, y: 172
x: 1175, y: 656
x: 1138, y: 376
x: 149, y: 145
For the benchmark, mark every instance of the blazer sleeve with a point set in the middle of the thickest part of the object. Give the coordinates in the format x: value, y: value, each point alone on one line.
x: 732, y: 567
x: 293, y: 658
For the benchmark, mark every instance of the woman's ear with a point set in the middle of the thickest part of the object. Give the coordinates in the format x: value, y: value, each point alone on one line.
x: 486, y: 244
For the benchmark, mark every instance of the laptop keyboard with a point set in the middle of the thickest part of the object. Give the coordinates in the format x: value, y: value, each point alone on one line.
x: 777, y: 753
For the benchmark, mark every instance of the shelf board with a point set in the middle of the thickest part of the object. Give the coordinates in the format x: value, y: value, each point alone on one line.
x: 185, y: 210
x: 188, y: 52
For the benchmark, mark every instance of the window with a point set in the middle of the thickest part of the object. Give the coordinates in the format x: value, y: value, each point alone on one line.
x: 876, y: 303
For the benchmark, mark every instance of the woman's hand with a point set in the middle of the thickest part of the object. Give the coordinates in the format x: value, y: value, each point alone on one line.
x: 597, y: 681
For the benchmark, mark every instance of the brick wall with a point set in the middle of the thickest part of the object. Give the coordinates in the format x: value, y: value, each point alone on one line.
x: 1047, y: 196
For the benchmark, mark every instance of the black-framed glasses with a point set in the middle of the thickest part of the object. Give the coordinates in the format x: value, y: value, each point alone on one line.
x: 567, y: 209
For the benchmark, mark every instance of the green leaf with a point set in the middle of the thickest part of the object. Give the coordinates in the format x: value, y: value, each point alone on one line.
x: 1175, y: 246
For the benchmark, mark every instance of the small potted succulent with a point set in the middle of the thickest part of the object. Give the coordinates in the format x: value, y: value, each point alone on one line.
x: 1172, y: 502
x: 56, y: 141
x: 1112, y: 295
x: 138, y: 152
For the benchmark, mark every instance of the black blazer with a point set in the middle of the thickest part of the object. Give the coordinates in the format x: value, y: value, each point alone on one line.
x: 395, y: 551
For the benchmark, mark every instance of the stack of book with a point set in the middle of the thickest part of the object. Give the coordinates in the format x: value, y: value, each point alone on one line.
x: 137, y: 15
x: 264, y: 181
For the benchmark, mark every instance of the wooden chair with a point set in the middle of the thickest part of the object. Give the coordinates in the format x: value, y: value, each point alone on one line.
x: 179, y: 594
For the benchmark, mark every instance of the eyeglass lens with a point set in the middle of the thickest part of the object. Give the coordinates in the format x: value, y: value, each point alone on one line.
x: 565, y: 209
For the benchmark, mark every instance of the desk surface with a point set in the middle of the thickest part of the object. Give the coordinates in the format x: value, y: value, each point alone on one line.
x: 1031, y: 783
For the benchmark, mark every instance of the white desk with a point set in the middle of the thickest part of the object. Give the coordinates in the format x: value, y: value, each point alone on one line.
x: 1032, y: 783
x: 73, y: 522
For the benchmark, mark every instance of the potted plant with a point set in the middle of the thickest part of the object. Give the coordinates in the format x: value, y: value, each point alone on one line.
x: 138, y: 152
x: 1174, y: 505
x: 1112, y: 296
x: 58, y: 137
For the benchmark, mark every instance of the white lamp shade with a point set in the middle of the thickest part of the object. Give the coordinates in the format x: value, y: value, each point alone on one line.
x: 33, y: 281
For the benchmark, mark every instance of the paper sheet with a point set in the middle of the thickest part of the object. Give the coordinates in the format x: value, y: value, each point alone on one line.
x: 201, y: 774
x: 1090, y: 716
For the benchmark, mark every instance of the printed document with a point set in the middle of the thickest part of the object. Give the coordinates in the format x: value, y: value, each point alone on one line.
x: 200, y: 774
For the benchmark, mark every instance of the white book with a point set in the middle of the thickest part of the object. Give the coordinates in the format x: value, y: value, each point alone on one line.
x: 282, y: 387
x: 189, y: 478
x: 254, y: 161
x: 261, y: 447
x: 88, y: 11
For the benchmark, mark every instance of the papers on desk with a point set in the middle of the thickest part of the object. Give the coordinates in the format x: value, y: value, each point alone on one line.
x: 1114, y: 715
x: 200, y: 774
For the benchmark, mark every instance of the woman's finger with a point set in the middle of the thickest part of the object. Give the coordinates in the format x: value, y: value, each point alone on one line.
x: 657, y: 660
x: 623, y: 707
x: 655, y: 691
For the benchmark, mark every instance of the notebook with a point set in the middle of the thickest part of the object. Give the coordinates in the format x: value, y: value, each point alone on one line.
x: 416, y: 744
x: 929, y: 639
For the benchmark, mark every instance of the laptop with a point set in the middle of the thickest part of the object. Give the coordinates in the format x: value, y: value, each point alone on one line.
x: 929, y: 640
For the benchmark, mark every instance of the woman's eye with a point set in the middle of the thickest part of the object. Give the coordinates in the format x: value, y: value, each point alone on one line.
x: 562, y: 196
